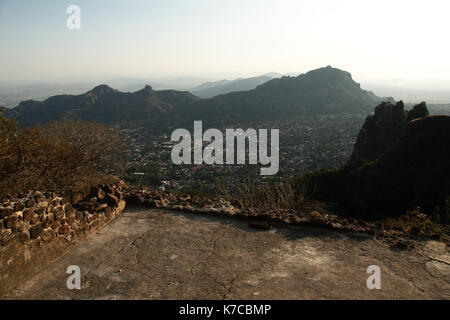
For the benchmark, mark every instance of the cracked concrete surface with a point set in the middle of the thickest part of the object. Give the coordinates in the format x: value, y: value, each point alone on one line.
x: 156, y: 254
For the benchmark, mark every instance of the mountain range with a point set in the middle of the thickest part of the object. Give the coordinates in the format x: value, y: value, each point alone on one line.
x: 323, y: 91
x: 103, y: 104
x: 212, y: 89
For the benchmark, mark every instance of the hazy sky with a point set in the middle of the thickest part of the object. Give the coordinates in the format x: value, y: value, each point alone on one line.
x: 374, y: 40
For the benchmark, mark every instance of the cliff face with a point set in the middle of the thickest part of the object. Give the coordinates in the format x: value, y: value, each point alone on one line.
x: 416, y: 171
x: 412, y: 166
x: 383, y: 129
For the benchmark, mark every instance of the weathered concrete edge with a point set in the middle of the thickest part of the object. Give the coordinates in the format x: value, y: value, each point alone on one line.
x: 314, y: 220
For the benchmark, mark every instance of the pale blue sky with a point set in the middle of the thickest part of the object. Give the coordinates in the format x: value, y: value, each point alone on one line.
x: 374, y: 40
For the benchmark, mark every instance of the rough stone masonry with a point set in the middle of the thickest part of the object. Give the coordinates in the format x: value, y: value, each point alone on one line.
x: 37, y: 228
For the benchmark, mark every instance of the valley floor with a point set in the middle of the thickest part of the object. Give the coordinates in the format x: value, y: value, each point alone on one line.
x: 156, y: 254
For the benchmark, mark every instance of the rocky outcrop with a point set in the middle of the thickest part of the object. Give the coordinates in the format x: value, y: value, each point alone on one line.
x: 416, y: 170
x: 412, y: 172
x: 419, y: 111
x: 36, y: 228
x: 380, y: 131
x: 383, y: 129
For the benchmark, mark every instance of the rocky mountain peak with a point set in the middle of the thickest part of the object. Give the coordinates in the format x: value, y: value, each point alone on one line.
x: 102, y: 89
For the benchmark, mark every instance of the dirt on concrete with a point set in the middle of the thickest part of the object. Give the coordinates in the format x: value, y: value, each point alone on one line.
x: 159, y: 254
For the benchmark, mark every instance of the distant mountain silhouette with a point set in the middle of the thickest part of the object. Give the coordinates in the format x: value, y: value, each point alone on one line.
x: 212, y: 89
x: 322, y: 91
x: 211, y: 84
x: 102, y: 104
x: 274, y: 75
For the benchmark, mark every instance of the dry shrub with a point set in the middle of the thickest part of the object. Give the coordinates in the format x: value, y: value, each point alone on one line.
x: 67, y: 157
x: 414, y: 222
x: 103, y: 147
x: 286, y: 195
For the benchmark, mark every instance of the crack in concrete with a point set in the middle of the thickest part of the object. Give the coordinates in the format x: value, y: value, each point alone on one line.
x: 436, y: 259
x: 220, y: 237
x: 139, y: 237
x: 227, y: 263
x: 213, y: 251
x: 98, y: 265
x: 430, y: 258
x: 134, y: 244
x: 89, y: 278
x: 160, y: 223
x: 228, y: 286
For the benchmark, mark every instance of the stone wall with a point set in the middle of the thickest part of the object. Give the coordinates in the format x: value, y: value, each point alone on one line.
x: 154, y: 198
x: 261, y: 218
x: 37, y: 228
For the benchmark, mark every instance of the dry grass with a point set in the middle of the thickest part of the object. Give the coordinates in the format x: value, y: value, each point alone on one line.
x: 286, y: 195
x: 414, y: 223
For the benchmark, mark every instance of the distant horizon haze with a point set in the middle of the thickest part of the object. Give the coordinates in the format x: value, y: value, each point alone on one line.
x: 377, y: 42
x: 408, y: 91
